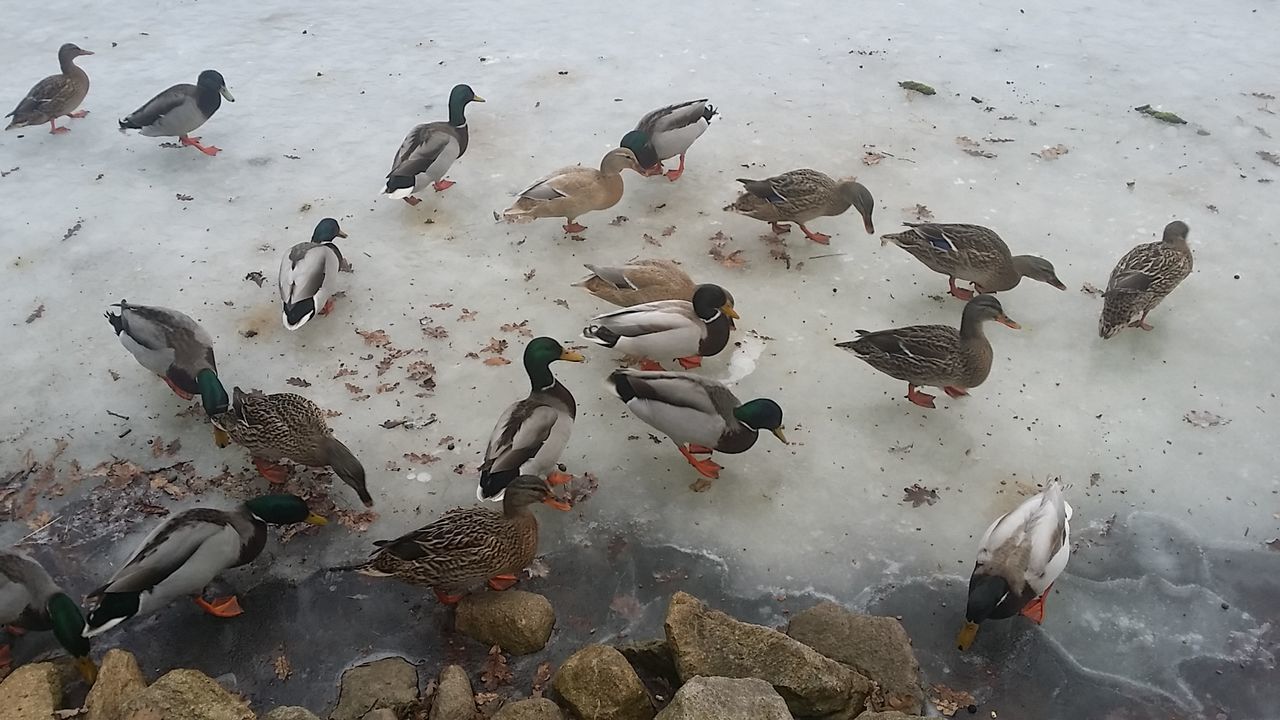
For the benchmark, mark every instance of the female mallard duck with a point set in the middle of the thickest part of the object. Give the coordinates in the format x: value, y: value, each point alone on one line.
x: 1142, y: 278
x: 173, y: 346
x: 687, y: 331
x: 284, y: 426
x: 430, y: 149
x: 185, y: 554
x: 973, y: 253
x: 531, y: 433
x: 800, y: 196
x: 700, y: 415
x: 180, y: 110
x: 1020, y: 556
x: 573, y: 191
x: 468, y: 545
x: 640, y: 281
x: 308, y: 275
x: 666, y: 133
x: 31, y: 600
x: 56, y: 95
x: 936, y: 355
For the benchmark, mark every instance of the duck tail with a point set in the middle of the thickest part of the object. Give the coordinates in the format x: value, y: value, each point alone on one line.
x: 112, y: 609
x: 345, y: 464
x: 296, y: 315
x: 708, y: 112
x: 620, y: 384
x: 399, y: 186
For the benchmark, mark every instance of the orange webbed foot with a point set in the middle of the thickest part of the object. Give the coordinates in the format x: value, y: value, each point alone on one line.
x: 79, y: 114
x: 707, y: 468
x: 1035, y: 609
x: 820, y: 238
x: 954, y: 391
x: 574, y: 227
x: 700, y: 449
x: 651, y: 365
x: 328, y: 307
x: 227, y: 607
x: 442, y: 185
x: 689, y: 363
x: 924, y: 400
x: 502, y: 582
x: 271, y: 471
x: 445, y: 598
x: 780, y: 229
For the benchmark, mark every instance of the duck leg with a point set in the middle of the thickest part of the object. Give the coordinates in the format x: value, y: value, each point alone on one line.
x: 706, y: 468
x: 445, y: 598
x: 328, y: 307
x: 441, y: 185
x: 779, y: 229
x: 411, y: 200
x: 177, y: 390
x: 55, y: 130
x: 1035, y: 608
x: 79, y: 114
x: 226, y: 607
x: 558, y: 478
x: 502, y: 582
x: 700, y: 449
x: 655, y: 170
x: 954, y: 391
x: 651, y: 365
x: 820, y: 238
x: 959, y: 292
x: 271, y: 471
x: 194, y: 142
x: 924, y: 400
x: 1141, y: 323
x: 674, y: 175
x: 574, y: 227
x: 691, y: 362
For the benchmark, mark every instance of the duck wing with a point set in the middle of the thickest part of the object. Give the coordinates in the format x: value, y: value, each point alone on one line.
x: 162, y: 106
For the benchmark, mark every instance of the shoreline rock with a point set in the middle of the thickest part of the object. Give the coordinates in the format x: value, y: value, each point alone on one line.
x: 31, y: 692
x: 187, y: 694
x: 717, y: 698
x: 597, y: 683
x: 454, y: 699
x: 519, y: 622
x: 387, y: 683
x: 119, y: 680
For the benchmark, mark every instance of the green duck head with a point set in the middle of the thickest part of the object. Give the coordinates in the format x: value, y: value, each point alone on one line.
x: 326, y: 230
x: 638, y: 142
x: 283, y: 510
x: 761, y: 414
x: 458, y: 99
x: 68, y: 628
x: 538, y: 356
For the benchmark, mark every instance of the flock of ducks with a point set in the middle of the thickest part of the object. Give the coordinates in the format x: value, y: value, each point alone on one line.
x: 663, y: 317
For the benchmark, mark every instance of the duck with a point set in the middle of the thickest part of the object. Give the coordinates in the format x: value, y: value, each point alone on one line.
x: 430, y: 149
x: 800, y: 196
x: 639, y: 281
x: 183, y: 555
x: 574, y: 191
x: 468, y: 545
x: 309, y: 274
x: 1143, y: 277
x: 699, y: 414
x: 285, y: 426
x: 180, y: 110
x: 531, y: 434
x: 31, y: 600
x: 56, y: 95
x: 667, y: 132
x: 684, y: 329
x: 1022, y: 553
x: 973, y: 253
x: 937, y: 355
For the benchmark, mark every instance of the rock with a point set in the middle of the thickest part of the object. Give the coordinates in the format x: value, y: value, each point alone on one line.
x: 597, y: 683
x: 186, y: 695
x: 520, y: 622
x: 652, y: 658
x: 535, y: 709
x: 119, y: 679
x: 709, y: 643
x: 388, y: 683
x: 290, y: 712
x: 381, y: 714
x: 891, y: 715
x: 876, y: 647
x: 704, y: 698
x: 454, y: 699
x: 32, y: 692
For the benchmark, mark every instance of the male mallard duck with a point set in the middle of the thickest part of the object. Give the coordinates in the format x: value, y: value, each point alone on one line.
x: 31, y: 600
x: 56, y: 95
x: 1142, y: 278
x: 180, y: 110
x: 185, y: 554
x: 1020, y: 556
x: 973, y: 253
x: 936, y: 355
x: 173, y: 346
x: 308, y: 274
x: 573, y: 191
x: 531, y: 433
x: 468, y: 545
x: 700, y: 415
x: 800, y: 196
x: 430, y: 150
x: 284, y: 426
x: 687, y: 331
x: 666, y: 133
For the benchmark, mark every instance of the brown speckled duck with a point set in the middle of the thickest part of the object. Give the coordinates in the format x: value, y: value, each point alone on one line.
x: 284, y: 426
x: 468, y: 545
x: 936, y: 355
x: 800, y: 196
x: 573, y: 191
x: 973, y: 253
x: 1142, y: 278
x: 56, y: 95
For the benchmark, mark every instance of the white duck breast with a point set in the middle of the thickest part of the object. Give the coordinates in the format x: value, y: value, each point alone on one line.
x: 308, y: 272
x: 426, y: 155
x: 667, y: 328
x: 681, y: 406
x: 1039, y: 527
x: 528, y: 439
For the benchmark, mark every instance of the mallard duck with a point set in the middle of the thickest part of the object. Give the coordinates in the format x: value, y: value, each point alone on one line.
x: 666, y: 133
x: 180, y: 110
x: 973, y: 253
x: 468, y: 545
x: 308, y: 275
x: 184, y: 554
x: 573, y: 191
x: 530, y: 435
x: 284, y: 426
x: 800, y: 196
x: 175, y: 347
x: 936, y: 355
x: 31, y: 600
x: 430, y: 149
x: 1142, y: 278
x: 56, y: 95
x: 1020, y: 556
x: 687, y: 331
x: 700, y: 415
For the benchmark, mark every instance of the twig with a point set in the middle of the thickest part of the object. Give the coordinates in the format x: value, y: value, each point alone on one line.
x: 118, y: 415
x: 126, y: 432
x: 815, y: 257
x: 42, y: 527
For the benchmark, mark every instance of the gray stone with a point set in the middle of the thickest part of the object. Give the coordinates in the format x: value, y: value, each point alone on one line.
x: 891, y: 715
x: 652, y: 658
x: 189, y: 695
x: 534, y: 709
x: 119, y: 679
x: 517, y: 621
x: 454, y: 699
x: 32, y: 692
x: 877, y: 647
x: 381, y: 714
x: 704, y: 698
x: 709, y: 643
x: 388, y: 683
x: 597, y: 683
x: 290, y: 712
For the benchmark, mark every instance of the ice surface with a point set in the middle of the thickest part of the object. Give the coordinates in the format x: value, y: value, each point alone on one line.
x: 325, y: 93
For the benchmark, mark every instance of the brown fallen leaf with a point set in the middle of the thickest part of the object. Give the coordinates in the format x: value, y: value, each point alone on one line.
x: 669, y: 231
x: 496, y: 345
x: 36, y: 314
x: 386, y: 387
x: 468, y: 315
x: 529, y: 274
x: 376, y: 338
x: 354, y: 389
x: 299, y: 382
x: 1053, y: 153
x: 283, y: 668
x: 420, y: 458
x: 1090, y: 289
x: 183, y: 197
x: 948, y: 701
x: 920, y: 212
x: 619, y: 220
x: 1270, y: 157
x: 344, y: 372
x: 442, y: 306
x: 1204, y: 419
x: 393, y: 354
x: 521, y: 327
x: 870, y: 158
x: 495, y: 673
x: 256, y: 277
x: 627, y: 607
x: 651, y: 240
x: 541, y: 677
x: 919, y: 495
x: 562, y: 303
x: 733, y: 260
x: 497, y: 360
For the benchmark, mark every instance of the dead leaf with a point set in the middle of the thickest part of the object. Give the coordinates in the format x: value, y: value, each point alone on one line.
x: 1090, y: 289
x: 948, y: 701
x: 520, y: 327
x: 183, y: 198
x: 919, y: 495
x: 497, y: 360
x: 1053, y: 153
x: 582, y: 487
x: 299, y: 382
x: 1270, y: 157
x: 979, y: 153
x: 468, y: 315
x: 562, y: 303
x: 651, y: 240
x: 733, y: 260
x: 354, y: 389
x: 870, y: 158
x: 282, y: 667
x: 386, y: 387
x: 376, y: 338
x: 627, y: 607
x: 669, y: 231
x: 115, y: 376
x: 1204, y: 419
x: 435, y: 332
x: 496, y: 345
x: 71, y: 230
x: 420, y: 458
x: 541, y: 677
x: 965, y: 141
x: 257, y: 277
x: 344, y: 372
x: 920, y: 212
x: 495, y: 673
x: 393, y: 354
x: 619, y: 220
x: 36, y: 314
x: 442, y: 306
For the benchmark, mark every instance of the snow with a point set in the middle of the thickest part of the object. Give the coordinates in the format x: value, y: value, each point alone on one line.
x: 320, y: 113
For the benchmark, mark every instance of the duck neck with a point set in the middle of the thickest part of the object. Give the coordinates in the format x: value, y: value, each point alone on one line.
x: 67, y: 62
x: 971, y: 327
x: 208, y: 99
x: 540, y: 376
x: 457, y: 113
